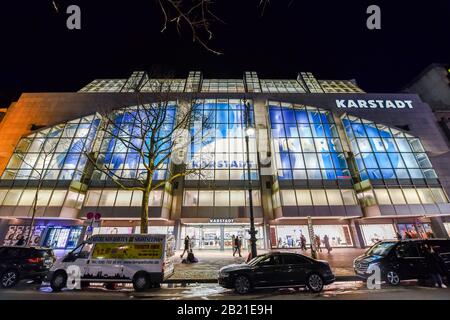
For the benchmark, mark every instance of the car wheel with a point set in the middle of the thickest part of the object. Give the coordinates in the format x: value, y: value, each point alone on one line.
x: 242, y: 285
x: 141, y: 282
x: 58, y: 281
x: 314, y: 283
x: 392, y: 278
x: 9, y: 279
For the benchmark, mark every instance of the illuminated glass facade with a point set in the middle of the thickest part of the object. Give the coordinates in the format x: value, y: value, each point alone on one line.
x: 55, y: 153
x: 220, y: 153
x: 386, y: 153
x: 306, y: 143
x: 116, y: 152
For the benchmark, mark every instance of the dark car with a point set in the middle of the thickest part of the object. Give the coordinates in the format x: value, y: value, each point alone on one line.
x: 277, y: 270
x: 18, y: 263
x: 402, y: 259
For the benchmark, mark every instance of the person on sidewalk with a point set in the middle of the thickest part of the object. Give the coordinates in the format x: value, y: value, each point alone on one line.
x: 326, y: 243
x: 433, y: 262
x: 303, y: 243
x: 318, y: 243
x: 233, y: 244
x: 237, y: 246
x: 187, y: 246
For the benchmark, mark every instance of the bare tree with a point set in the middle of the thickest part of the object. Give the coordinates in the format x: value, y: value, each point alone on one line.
x: 157, y: 134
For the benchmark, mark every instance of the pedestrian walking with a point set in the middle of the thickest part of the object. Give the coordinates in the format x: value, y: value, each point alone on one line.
x: 303, y: 243
x: 233, y: 244
x: 434, y: 266
x: 326, y: 243
x: 237, y: 246
x: 318, y: 243
x: 187, y: 245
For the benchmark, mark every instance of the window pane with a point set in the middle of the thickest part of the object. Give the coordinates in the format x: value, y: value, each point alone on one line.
x: 288, y: 198
x: 190, y: 198
x: 156, y: 198
x: 411, y: 196
x: 304, y: 198
x: 382, y: 196
x: 319, y: 197
x: 58, y: 197
x: 93, y: 198
x: 206, y: 198
x: 397, y: 196
x: 108, y: 198
x: 12, y: 198
x: 334, y: 197
x: 349, y: 197
x: 123, y: 198
x: 222, y: 198
x: 27, y: 198
x: 43, y: 197
x: 137, y: 199
x: 237, y: 198
x: 425, y: 195
x: 439, y: 195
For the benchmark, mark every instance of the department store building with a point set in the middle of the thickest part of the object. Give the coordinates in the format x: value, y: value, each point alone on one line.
x: 358, y: 167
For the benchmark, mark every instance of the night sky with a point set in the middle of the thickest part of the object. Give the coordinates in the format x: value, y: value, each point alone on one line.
x: 329, y: 38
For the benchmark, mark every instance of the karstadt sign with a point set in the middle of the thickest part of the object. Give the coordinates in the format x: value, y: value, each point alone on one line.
x: 374, y: 104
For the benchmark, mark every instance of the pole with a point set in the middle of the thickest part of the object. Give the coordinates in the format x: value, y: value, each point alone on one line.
x: 252, y: 231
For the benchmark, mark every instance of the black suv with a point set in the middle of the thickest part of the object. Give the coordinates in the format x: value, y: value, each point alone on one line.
x: 277, y: 270
x: 18, y: 263
x: 402, y: 259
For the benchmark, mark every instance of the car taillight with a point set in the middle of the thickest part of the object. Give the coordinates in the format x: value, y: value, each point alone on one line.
x: 35, y: 260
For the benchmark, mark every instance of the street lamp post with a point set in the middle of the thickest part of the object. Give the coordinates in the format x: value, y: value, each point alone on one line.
x: 250, y: 131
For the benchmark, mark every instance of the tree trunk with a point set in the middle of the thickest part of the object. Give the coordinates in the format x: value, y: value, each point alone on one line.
x: 144, y: 211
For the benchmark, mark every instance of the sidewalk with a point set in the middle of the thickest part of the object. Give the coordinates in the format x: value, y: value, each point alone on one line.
x: 340, y: 259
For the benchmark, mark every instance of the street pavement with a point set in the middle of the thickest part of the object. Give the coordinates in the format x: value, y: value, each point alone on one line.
x: 356, y: 290
x: 210, y: 262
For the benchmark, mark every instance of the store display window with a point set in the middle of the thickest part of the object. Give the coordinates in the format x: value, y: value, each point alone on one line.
x: 374, y: 233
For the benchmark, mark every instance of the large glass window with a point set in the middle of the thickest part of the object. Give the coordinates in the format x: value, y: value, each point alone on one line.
x: 386, y: 153
x: 218, y: 150
x: 220, y: 198
x: 56, y: 153
x: 306, y: 143
x: 306, y: 197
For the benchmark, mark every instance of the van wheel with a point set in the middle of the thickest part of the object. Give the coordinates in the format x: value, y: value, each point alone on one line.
x: 141, y: 281
x: 58, y: 281
x: 242, y: 285
x: 314, y: 283
x: 9, y: 279
x: 392, y: 278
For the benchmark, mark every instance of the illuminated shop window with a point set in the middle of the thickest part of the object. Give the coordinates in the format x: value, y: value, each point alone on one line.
x: 386, y: 153
x: 121, y: 198
x: 26, y: 197
x: 410, y: 196
x: 318, y: 197
x: 56, y: 153
x: 218, y: 149
x: 306, y: 143
x: 219, y: 198
x: 124, y: 162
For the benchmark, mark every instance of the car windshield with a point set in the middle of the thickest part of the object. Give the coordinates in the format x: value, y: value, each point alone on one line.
x: 255, y: 260
x: 381, y: 249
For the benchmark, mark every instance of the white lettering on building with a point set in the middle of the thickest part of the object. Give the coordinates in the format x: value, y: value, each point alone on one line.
x: 374, y: 104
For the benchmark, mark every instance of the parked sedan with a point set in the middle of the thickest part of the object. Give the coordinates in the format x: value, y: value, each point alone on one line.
x: 18, y: 263
x: 277, y: 270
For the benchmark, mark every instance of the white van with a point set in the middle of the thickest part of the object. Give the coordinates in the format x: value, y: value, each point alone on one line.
x: 144, y: 260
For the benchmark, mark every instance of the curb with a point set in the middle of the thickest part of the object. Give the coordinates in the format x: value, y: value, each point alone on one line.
x: 173, y: 281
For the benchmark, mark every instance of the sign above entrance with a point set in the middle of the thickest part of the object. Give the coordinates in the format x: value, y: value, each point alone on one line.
x: 221, y: 220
